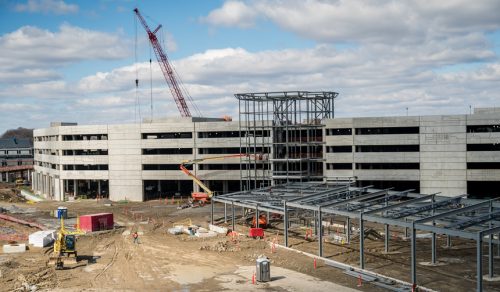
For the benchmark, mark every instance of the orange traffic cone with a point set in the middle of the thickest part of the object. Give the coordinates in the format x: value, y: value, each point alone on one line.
x: 360, y: 281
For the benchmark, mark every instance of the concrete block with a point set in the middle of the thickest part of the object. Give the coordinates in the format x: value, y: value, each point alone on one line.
x: 218, y: 229
x: 42, y: 238
x: 14, y: 248
x: 206, y: 234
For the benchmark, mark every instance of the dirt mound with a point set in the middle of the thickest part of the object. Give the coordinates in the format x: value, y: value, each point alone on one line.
x: 11, y: 195
x: 20, y: 277
x: 221, y: 246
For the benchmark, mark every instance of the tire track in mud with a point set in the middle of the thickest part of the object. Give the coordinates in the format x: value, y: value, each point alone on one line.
x: 113, y: 260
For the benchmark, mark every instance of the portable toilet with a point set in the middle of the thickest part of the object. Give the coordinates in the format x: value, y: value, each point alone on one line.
x: 62, y: 212
x: 263, y: 270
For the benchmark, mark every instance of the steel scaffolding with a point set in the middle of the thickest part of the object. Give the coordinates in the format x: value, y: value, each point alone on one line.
x: 287, y: 129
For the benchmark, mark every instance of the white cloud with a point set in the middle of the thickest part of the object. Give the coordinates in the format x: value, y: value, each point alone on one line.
x: 47, y: 6
x: 38, y: 52
x: 17, y: 107
x: 386, y: 85
x: 383, y: 21
x: 232, y: 13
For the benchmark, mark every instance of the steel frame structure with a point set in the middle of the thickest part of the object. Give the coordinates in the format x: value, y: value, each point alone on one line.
x: 452, y: 216
x: 286, y: 127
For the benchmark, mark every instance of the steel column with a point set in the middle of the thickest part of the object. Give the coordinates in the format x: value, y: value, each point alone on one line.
x: 233, y: 219
x: 406, y: 229
x: 448, y: 241
x: 413, y: 256
x: 490, y: 256
x: 490, y: 245
x: 348, y: 230
x: 315, y: 223
x: 433, y: 240
x: 212, y: 212
x: 386, y: 226
x: 433, y: 247
x: 479, y: 262
x: 320, y: 219
x: 257, y: 216
x: 285, y: 223
x: 498, y: 245
x: 361, y: 243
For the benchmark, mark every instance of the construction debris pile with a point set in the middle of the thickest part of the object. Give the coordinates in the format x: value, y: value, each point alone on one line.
x: 11, y: 195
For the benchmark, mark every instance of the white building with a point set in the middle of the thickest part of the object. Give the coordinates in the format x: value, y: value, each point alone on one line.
x: 453, y: 155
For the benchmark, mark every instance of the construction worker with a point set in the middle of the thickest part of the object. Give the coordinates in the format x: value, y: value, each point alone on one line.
x: 136, y: 237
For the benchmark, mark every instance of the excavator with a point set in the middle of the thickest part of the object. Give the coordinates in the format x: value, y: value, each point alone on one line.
x: 201, y: 198
x: 64, y: 252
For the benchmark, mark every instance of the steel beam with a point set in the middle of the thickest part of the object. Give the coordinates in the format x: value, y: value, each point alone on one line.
x: 397, y: 205
x: 471, y: 221
x: 454, y: 212
x: 373, y: 202
x: 426, y: 208
x: 357, y: 198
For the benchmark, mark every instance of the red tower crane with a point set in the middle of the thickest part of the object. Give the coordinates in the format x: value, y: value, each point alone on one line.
x: 167, y: 70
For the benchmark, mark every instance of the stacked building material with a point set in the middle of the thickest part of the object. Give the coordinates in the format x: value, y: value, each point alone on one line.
x: 42, y: 238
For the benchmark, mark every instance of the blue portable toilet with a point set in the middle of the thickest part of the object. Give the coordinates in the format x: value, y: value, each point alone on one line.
x: 62, y: 212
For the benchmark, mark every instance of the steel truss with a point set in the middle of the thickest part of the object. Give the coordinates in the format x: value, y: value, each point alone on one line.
x: 452, y: 216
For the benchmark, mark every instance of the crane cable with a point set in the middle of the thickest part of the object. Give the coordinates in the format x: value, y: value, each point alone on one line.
x: 137, y: 111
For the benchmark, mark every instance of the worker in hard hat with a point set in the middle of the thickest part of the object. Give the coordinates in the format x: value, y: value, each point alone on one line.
x: 135, y: 235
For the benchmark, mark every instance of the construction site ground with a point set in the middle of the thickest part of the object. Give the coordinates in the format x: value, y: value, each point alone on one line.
x: 110, y: 261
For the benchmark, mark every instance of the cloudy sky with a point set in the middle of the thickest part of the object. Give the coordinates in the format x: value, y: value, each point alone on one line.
x: 78, y: 60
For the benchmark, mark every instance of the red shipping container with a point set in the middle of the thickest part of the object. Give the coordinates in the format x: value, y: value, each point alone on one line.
x: 96, y: 222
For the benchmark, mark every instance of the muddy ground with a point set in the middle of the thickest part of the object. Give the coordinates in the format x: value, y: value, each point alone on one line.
x: 110, y: 261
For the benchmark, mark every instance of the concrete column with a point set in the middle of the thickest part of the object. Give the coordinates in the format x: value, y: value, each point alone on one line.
x: 7, y: 176
x: 75, y: 187
x: 45, y: 186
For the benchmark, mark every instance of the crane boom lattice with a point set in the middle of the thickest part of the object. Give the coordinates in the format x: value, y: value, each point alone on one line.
x: 167, y: 70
